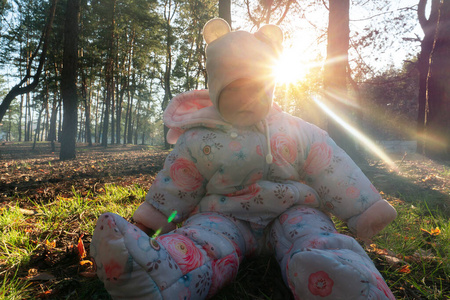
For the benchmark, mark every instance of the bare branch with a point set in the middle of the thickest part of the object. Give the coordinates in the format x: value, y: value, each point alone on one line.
x: 285, y: 11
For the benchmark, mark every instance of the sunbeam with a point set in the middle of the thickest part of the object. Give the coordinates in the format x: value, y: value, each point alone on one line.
x: 365, y: 141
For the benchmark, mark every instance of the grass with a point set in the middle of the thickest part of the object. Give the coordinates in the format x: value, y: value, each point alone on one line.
x: 412, y: 253
x: 47, y: 231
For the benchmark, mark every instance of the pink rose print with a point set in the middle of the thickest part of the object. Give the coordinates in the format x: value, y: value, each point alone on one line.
x: 246, y: 193
x: 382, y: 286
x: 283, y: 218
x: 235, y: 146
x: 183, y: 251
x: 284, y: 149
x: 185, y: 175
x: 318, y: 159
x: 113, y: 270
x: 320, y: 284
x: 295, y: 220
x: 258, y: 150
x: 224, y: 270
x: 352, y: 192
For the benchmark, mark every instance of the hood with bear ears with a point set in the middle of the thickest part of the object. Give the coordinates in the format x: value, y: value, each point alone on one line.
x: 240, y: 54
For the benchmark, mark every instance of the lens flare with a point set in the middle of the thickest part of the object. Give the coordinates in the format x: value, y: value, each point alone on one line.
x: 156, y: 234
x: 365, y: 141
x: 172, y: 216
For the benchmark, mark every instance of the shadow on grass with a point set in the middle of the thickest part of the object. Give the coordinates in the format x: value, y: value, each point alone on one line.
x: 417, y: 191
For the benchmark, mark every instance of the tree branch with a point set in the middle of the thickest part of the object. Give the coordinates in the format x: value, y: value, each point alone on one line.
x: 18, y: 89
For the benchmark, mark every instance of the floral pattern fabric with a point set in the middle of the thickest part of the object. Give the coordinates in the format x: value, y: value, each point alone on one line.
x: 197, y: 259
x: 234, y: 203
x: 225, y: 170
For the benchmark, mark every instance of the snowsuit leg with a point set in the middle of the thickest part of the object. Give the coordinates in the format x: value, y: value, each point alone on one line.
x: 191, y: 262
x: 319, y: 263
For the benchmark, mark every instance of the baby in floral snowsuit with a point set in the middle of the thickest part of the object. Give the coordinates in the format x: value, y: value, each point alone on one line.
x: 244, y: 177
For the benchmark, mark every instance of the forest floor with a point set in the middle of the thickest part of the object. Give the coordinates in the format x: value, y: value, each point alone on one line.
x: 49, y: 207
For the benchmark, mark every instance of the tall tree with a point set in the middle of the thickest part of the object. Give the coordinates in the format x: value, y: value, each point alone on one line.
x: 69, y: 81
x: 225, y: 10
x: 437, y: 112
x: 170, y: 10
x: 335, y: 72
x: 109, y: 72
x: 429, y: 29
x: 25, y: 86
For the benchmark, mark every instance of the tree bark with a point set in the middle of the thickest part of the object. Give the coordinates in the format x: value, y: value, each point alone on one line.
x: 87, y: 110
x: 437, y: 112
x: 69, y: 81
x: 23, y: 87
x: 225, y: 10
x: 335, y: 74
x: 109, y: 77
x: 169, y: 13
x: 423, y: 63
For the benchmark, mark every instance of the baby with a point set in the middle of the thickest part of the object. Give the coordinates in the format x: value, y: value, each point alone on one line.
x: 244, y: 177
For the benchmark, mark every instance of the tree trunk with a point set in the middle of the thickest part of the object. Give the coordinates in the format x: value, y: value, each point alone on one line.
x: 437, y: 112
x: 429, y: 29
x: 109, y: 77
x: 335, y: 74
x: 87, y: 111
x: 69, y: 81
x: 169, y: 13
x: 225, y: 10
x: 52, y: 131
x: 20, y: 117
x: 20, y: 89
x: 38, y: 128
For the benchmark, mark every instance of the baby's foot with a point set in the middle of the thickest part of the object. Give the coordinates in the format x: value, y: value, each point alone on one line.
x: 334, y: 274
x: 134, y: 266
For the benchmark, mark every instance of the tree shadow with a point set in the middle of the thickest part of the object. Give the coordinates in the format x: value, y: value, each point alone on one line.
x: 420, y: 181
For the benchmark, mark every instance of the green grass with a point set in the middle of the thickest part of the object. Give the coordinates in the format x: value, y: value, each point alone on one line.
x: 28, y: 235
x: 421, y: 269
x: 424, y: 267
x: 13, y: 288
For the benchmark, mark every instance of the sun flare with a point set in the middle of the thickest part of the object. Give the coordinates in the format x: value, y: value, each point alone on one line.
x: 290, y: 68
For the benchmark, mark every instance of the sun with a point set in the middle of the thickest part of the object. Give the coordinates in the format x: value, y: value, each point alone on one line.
x: 291, y: 67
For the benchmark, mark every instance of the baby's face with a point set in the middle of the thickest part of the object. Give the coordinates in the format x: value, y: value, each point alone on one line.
x: 245, y: 102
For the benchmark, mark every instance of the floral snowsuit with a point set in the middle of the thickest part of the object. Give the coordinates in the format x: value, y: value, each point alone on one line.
x: 234, y: 204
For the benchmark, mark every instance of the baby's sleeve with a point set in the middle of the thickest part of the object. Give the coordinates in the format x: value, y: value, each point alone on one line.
x: 342, y: 187
x: 179, y: 186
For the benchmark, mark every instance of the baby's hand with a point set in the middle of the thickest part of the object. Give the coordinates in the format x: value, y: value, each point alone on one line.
x: 149, y: 220
x: 144, y: 228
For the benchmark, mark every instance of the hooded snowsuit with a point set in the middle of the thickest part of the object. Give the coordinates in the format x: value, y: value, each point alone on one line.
x: 240, y: 191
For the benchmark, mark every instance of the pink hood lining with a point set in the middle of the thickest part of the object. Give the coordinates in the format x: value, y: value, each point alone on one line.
x: 192, y: 109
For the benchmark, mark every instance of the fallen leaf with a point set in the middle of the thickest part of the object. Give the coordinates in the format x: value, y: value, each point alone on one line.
x: 405, y: 269
x: 85, y: 262
x: 432, y: 232
x: 81, y: 249
x: 50, y: 244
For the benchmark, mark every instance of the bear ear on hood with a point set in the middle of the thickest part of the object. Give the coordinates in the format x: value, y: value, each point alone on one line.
x: 215, y: 29
x: 273, y: 33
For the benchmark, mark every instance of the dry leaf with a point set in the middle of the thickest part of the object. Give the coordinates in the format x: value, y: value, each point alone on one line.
x: 405, y: 269
x: 432, y: 232
x: 86, y: 262
x: 81, y: 249
x: 50, y: 244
